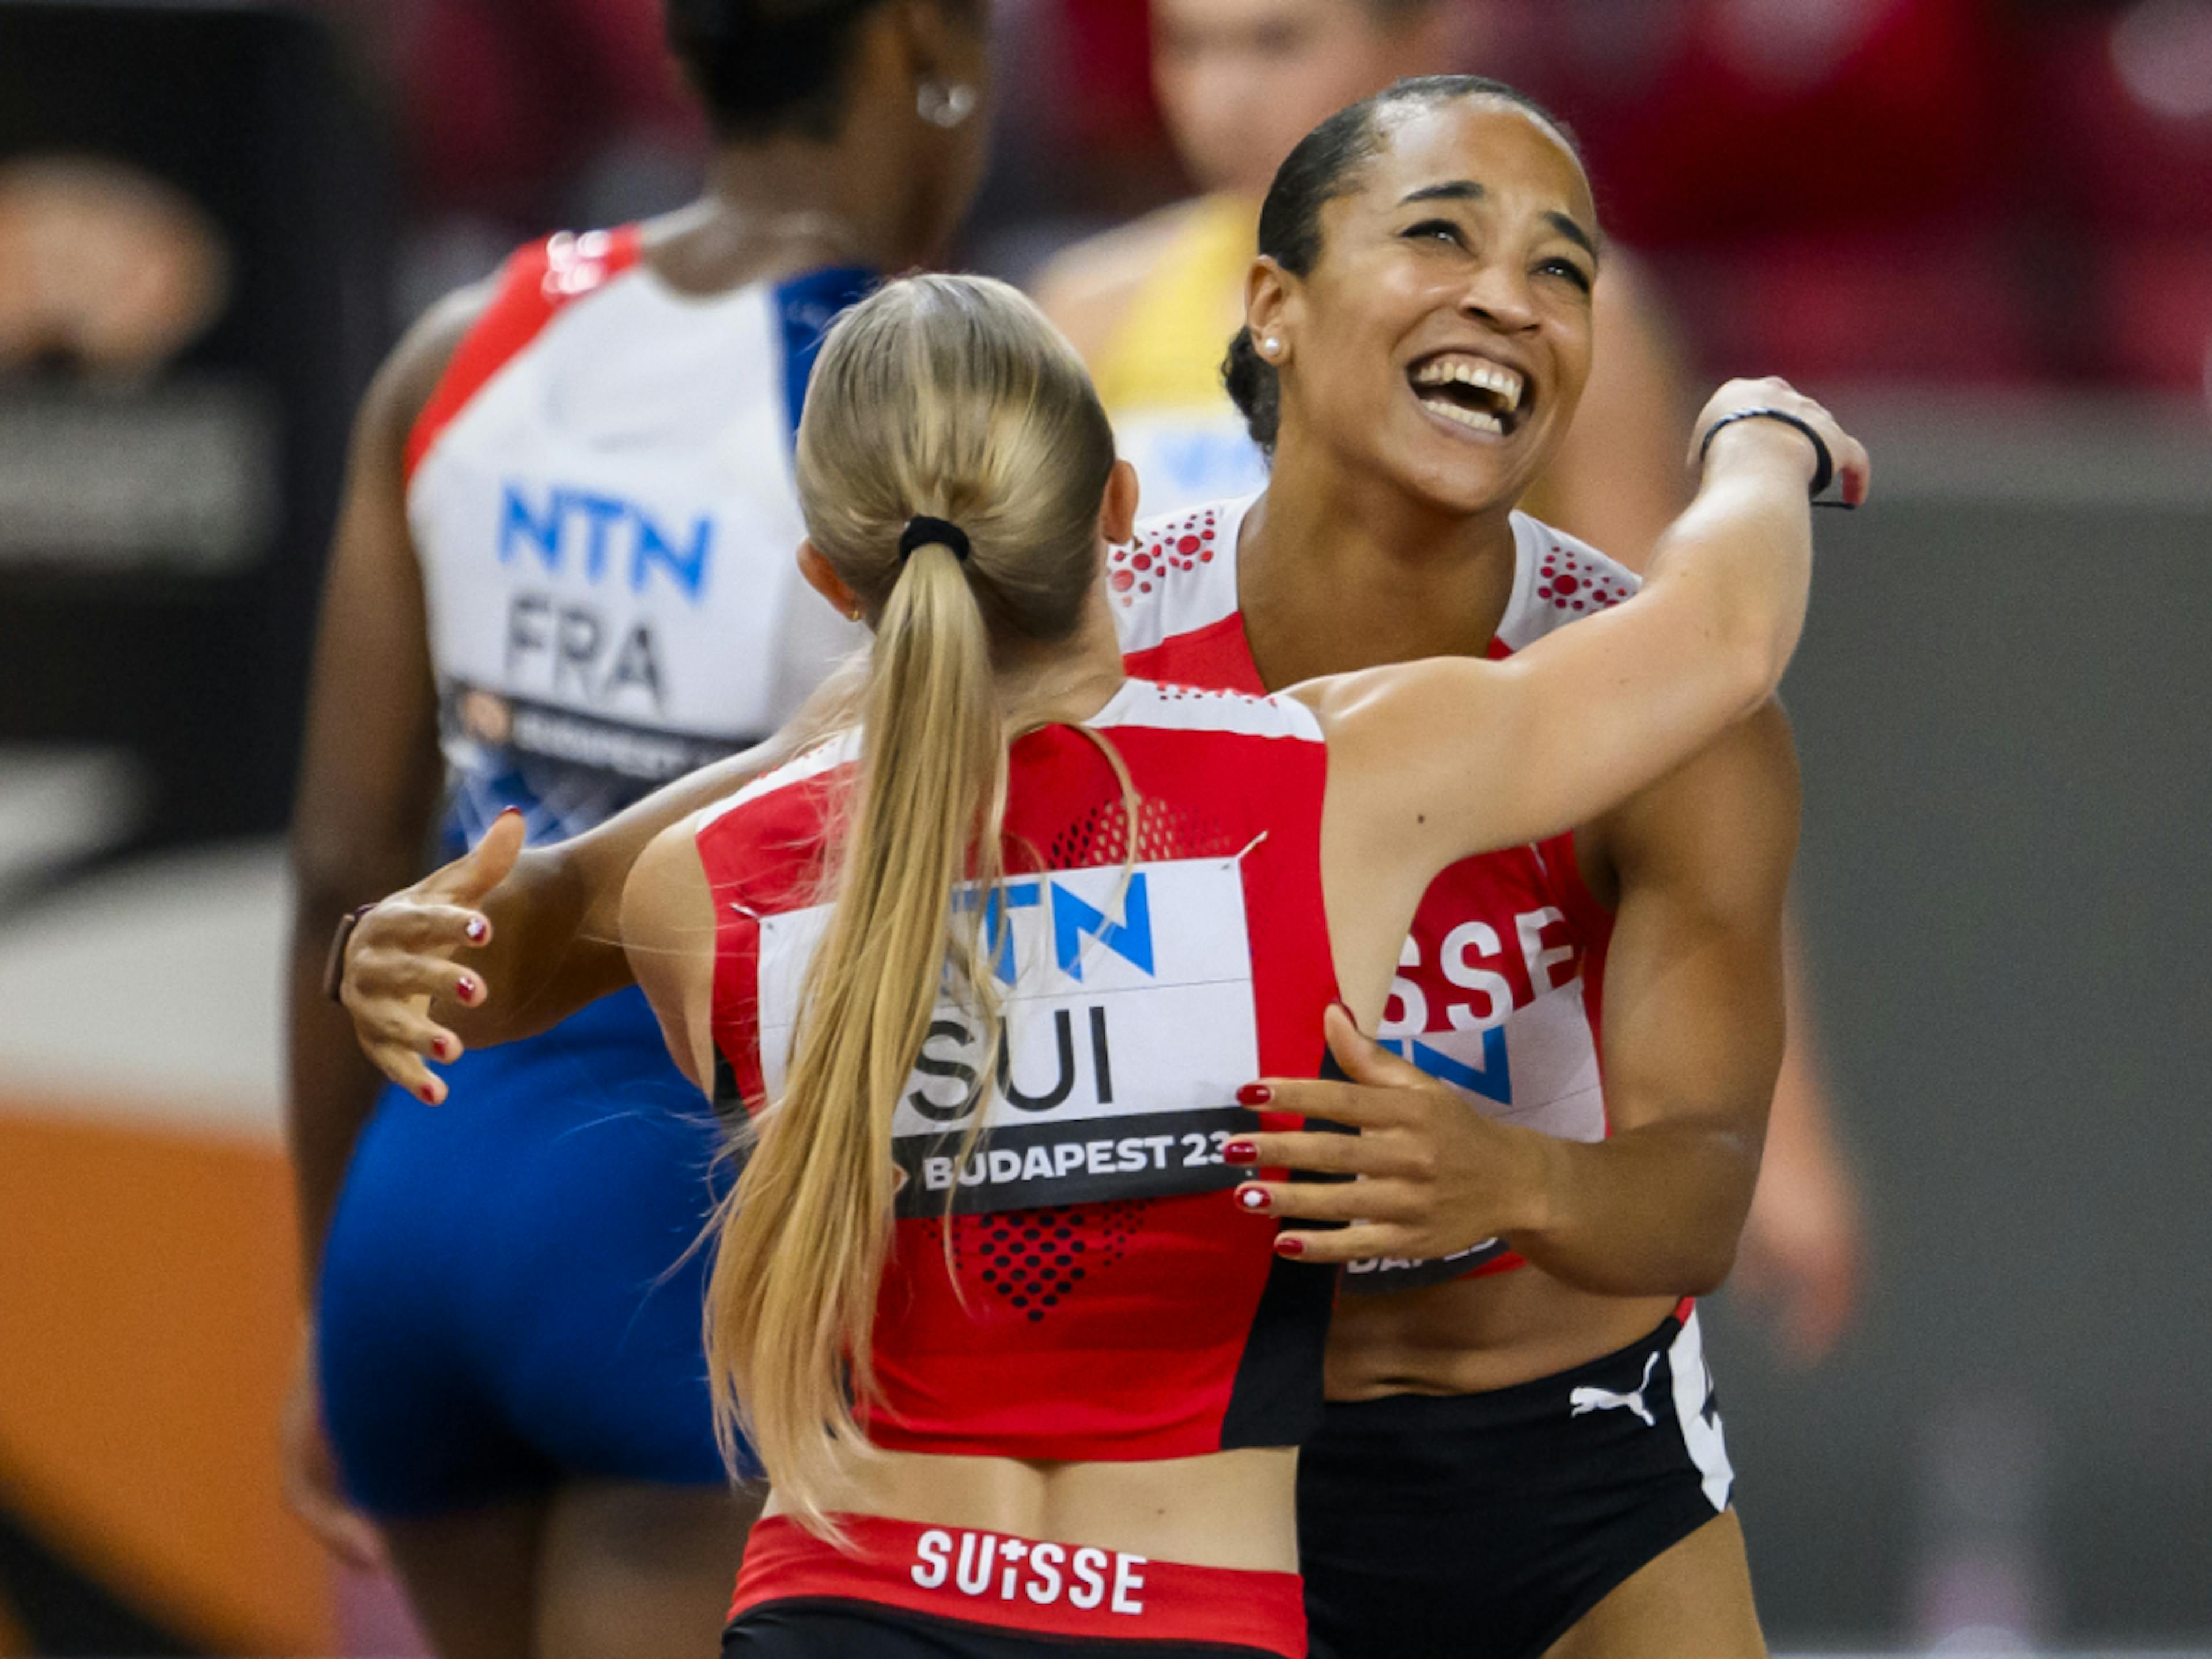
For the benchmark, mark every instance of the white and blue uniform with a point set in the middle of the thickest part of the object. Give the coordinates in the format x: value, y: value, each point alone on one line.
x: 600, y: 494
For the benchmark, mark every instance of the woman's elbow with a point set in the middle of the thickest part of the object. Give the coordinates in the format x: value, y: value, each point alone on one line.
x: 1754, y: 657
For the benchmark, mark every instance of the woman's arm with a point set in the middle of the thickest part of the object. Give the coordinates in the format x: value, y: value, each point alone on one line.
x: 369, y: 772
x: 1692, y: 1033
x: 1617, y: 482
x: 1591, y: 714
x: 668, y: 935
x: 1692, y: 1030
x: 368, y: 786
x: 547, y: 922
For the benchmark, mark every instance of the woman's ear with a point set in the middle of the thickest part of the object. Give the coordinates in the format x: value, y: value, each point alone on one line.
x: 824, y: 581
x: 1117, y: 513
x: 1267, y: 305
x: 943, y: 43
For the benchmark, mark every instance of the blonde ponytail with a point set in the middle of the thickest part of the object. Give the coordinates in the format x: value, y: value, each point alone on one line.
x: 949, y: 398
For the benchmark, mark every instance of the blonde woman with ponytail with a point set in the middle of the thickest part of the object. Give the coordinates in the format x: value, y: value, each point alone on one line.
x: 995, y: 971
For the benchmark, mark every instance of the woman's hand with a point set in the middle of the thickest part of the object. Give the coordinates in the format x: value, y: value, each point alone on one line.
x: 1854, y: 471
x: 1425, y: 1176
x: 402, y: 955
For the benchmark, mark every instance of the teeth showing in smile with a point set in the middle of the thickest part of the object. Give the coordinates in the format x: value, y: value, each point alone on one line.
x: 1481, y: 419
x: 1473, y: 372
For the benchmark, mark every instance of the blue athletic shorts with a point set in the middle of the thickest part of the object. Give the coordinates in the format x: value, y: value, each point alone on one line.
x: 507, y: 1301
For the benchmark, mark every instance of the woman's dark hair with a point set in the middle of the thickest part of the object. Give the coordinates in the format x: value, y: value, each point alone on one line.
x: 1325, y: 166
x: 769, y: 67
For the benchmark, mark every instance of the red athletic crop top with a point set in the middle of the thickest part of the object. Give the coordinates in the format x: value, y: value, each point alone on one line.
x: 1112, y: 1302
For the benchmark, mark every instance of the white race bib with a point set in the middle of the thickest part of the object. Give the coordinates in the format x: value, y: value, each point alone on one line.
x: 1129, y: 1026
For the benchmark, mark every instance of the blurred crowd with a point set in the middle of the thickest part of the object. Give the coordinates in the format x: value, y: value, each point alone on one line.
x: 2001, y: 192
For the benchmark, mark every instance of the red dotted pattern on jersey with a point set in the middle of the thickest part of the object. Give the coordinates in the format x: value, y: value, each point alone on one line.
x: 1164, y: 831
x: 1572, y: 585
x: 1034, y: 1257
x: 1034, y: 1260
x: 1185, y: 544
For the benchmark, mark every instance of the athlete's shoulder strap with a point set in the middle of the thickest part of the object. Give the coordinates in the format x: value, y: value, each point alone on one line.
x: 1557, y: 579
x: 1177, y: 575
x: 827, y: 755
x: 536, y: 281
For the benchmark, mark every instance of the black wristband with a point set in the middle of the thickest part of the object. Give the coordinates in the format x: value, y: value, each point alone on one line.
x: 1824, y: 473
x: 334, y: 964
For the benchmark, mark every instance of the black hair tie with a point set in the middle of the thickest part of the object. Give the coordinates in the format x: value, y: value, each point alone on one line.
x: 1824, y: 471
x: 924, y: 531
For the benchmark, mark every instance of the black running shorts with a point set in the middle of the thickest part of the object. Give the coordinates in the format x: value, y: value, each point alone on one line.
x: 1484, y: 1526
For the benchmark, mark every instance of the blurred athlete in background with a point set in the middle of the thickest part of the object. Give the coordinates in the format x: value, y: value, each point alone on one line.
x: 562, y: 577
x: 1149, y: 305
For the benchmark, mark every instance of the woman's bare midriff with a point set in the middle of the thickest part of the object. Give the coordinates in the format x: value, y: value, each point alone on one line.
x: 1471, y: 1335
x: 1233, y: 1509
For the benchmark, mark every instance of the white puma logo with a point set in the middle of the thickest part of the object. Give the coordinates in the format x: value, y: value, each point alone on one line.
x: 1605, y: 1400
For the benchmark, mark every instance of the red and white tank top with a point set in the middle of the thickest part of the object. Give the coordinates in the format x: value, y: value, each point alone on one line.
x: 1497, y: 990
x: 600, y: 494
x: 1108, y: 1299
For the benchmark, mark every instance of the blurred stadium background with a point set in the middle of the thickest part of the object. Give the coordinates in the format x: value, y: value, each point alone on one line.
x: 1982, y: 229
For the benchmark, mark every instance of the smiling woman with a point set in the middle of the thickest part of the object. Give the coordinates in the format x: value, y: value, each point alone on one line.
x: 1409, y: 225
x: 1420, y: 335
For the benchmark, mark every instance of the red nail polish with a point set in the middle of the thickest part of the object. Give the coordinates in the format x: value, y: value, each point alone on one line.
x: 440, y: 1048
x: 1255, y: 1094
x: 477, y: 931
x: 510, y: 812
x: 467, y: 988
x: 430, y: 1095
x: 1240, y: 1151
x: 1255, y: 1199
x: 1287, y: 1245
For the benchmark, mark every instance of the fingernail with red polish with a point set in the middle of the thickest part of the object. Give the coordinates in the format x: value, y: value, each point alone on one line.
x: 1255, y: 1094
x: 477, y: 931
x: 510, y: 813
x: 1255, y: 1199
x: 467, y: 989
x: 1287, y: 1245
x: 441, y: 1048
x: 430, y: 1095
x: 1240, y: 1151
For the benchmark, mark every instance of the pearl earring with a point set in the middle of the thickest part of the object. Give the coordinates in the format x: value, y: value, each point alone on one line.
x: 1271, y: 345
x: 942, y: 105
